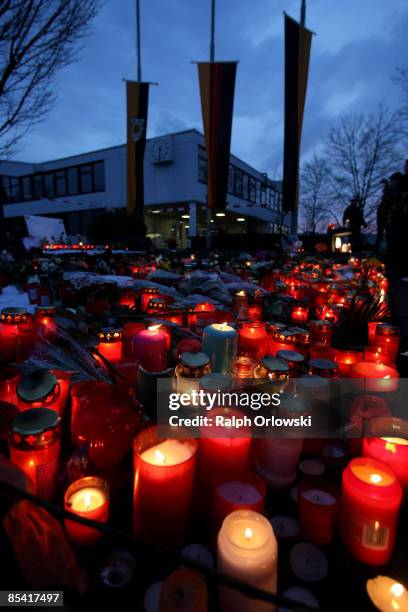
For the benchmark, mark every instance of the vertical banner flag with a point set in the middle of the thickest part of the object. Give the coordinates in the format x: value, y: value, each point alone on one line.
x: 217, y: 85
x: 137, y: 101
x: 298, y: 40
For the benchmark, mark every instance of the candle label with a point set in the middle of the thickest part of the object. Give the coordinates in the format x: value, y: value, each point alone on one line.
x: 46, y: 478
x: 374, y: 536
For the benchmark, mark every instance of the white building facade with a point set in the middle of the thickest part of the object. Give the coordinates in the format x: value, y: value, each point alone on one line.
x: 79, y: 187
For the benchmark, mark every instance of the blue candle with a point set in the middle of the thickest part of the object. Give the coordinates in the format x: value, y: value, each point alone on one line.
x: 220, y: 342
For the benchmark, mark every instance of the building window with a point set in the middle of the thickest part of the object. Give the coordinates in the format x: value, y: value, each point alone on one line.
x: 27, y: 188
x: 38, y: 186
x: 61, y: 183
x: 72, y: 180
x: 49, y: 191
x: 202, y: 166
x: 99, y: 176
x: 85, y: 179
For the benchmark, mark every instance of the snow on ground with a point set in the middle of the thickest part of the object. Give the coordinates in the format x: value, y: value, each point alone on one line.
x: 12, y: 297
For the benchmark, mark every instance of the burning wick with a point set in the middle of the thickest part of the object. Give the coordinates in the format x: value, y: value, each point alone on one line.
x: 154, y: 328
x: 248, y: 533
x: 397, y: 589
x: 375, y: 478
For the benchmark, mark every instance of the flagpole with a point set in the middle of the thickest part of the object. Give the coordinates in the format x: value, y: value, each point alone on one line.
x: 303, y: 13
x: 212, y: 57
x: 138, y: 43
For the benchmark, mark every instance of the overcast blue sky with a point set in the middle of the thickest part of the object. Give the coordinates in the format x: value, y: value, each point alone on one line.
x: 357, y: 46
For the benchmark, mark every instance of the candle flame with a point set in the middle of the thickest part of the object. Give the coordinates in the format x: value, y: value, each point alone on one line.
x: 223, y: 326
x: 160, y: 457
x: 248, y: 533
x: 154, y: 327
x: 87, y: 501
x: 375, y: 478
x: 397, y: 589
x: 241, y: 293
x: 387, y: 376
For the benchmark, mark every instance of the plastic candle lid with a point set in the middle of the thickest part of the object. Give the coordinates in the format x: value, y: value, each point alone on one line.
x: 34, y: 421
x: 323, y: 364
x: 290, y: 355
x: 36, y: 385
x: 308, y: 562
x: 274, y: 364
x: 13, y: 311
x: 194, y: 360
x: 215, y: 382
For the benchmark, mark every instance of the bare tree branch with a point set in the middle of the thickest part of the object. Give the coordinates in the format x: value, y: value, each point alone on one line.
x: 37, y: 39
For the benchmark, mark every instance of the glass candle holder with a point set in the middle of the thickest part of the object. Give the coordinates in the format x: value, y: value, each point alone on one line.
x: 110, y: 344
x: 370, y: 502
x: 35, y: 445
x: 11, y: 320
x: 253, y: 340
x: 295, y: 361
x: 320, y: 333
x: 275, y: 371
x: 283, y: 339
x: 299, y: 314
x: 10, y: 377
x: 127, y: 299
x: 163, y: 486
x: 387, y: 337
x: 323, y: 367
x: 130, y: 330
x: 243, y: 369
x: 146, y: 294
x: 87, y: 497
x: 345, y: 359
x: 44, y: 319
x: 157, y: 305
x: 386, y: 439
x: 192, y: 367
x: 302, y: 343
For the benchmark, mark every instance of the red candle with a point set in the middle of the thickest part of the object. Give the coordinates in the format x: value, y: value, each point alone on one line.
x: 127, y: 299
x: 372, y: 327
x: 146, y: 294
x: 244, y: 493
x: 33, y: 287
x: 188, y: 345
x: 370, y: 376
x: 364, y: 407
x: 44, y: 319
x: 11, y: 319
x: 110, y: 344
x: 44, y: 389
x: 320, y: 333
x: 300, y: 314
x: 376, y: 355
x: 318, y: 508
x: 150, y: 349
x: 294, y: 360
x: 282, y: 339
x: 163, y: 486
x: 129, y: 332
x: 9, y: 378
x: 253, y: 340
x: 255, y: 311
x: 87, y: 497
x: 370, y: 502
x: 34, y: 445
x: 223, y: 453
x: 345, y: 360
x: 386, y: 439
x: 387, y: 337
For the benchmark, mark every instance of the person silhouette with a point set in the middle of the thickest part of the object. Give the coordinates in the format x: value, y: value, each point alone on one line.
x: 353, y: 219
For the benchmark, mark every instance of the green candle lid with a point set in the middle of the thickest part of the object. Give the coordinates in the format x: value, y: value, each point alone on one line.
x: 194, y: 360
x: 34, y: 421
x: 36, y: 385
x: 215, y: 382
x: 290, y: 355
x: 273, y: 364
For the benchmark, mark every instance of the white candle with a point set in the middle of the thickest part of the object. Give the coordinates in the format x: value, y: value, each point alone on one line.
x: 387, y: 594
x: 87, y: 499
x: 238, y: 492
x: 169, y: 452
x: 247, y: 550
x: 276, y: 460
x: 220, y: 342
x: 317, y: 496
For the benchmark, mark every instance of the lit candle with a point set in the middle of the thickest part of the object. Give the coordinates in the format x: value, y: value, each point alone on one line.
x: 11, y: 320
x: 10, y: 377
x: 323, y: 367
x: 35, y: 445
x: 220, y: 344
x: 345, y: 360
x: 364, y: 407
x: 163, y: 486
x: 44, y: 319
x: 145, y: 296
x: 245, y: 493
x: 372, y: 327
x: 387, y: 337
x: 378, y: 377
x: 300, y: 314
x: 110, y: 344
x: 253, y: 340
x: 247, y: 549
x: 87, y: 497
x: 370, y: 501
x: 387, y: 594
x: 320, y: 333
x: 386, y: 439
x: 39, y: 389
x: 150, y: 349
x: 318, y: 507
x: 295, y: 361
